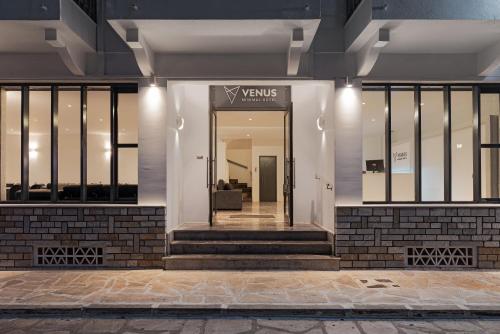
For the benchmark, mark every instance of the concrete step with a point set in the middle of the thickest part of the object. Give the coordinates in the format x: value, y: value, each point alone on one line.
x: 236, y: 235
x: 251, y: 262
x: 251, y: 247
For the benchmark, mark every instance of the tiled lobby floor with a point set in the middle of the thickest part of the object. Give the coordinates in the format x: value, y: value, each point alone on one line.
x: 346, y: 289
x: 247, y: 219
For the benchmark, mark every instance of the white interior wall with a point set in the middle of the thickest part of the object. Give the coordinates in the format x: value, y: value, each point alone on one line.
x: 193, y: 99
x: 244, y: 157
x: 222, y: 166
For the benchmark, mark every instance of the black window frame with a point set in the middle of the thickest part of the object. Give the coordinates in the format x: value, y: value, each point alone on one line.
x: 54, y: 88
x: 447, y: 88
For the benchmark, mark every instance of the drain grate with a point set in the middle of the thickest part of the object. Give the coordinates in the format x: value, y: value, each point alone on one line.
x: 69, y: 256
x: 378, y: 283
x: 445, y: 257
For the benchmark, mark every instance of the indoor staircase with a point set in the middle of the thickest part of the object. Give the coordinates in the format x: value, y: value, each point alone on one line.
x: 251, y: 250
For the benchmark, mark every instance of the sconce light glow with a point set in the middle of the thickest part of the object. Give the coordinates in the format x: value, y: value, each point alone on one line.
x: 153, y: 98
x: 33, y: 151
x: 107, y: 150
x: 180, y: 123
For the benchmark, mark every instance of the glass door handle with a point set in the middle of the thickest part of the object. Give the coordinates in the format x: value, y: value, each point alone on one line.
x: 293, y: 171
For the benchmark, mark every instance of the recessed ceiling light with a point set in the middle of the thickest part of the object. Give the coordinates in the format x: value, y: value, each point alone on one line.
x: 250, y: 119
x: 421, y: 103
x: 373, y: 119
x: 248, y: 135
x: 459, y: 146
x: 69, y: 105
x: 100, y: 119
x: 364, y: 103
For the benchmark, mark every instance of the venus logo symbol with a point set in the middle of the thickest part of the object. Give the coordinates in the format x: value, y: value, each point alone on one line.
x: 231, y: 93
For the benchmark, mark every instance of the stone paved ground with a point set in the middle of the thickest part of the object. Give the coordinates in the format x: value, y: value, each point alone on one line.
x: 224, y: 289
x: 243, y: 326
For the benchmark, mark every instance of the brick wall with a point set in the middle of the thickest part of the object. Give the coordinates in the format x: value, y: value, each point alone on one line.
x: 376, y: 237
x: 131, y: 236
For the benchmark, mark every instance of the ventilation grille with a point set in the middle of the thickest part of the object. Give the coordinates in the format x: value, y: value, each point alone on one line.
x: 69, y: 256
x: 447, y: 257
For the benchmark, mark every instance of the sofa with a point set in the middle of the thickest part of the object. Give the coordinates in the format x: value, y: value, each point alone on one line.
x: 227, y: 198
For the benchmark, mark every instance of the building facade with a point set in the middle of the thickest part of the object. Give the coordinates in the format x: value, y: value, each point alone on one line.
x: 119, y: 118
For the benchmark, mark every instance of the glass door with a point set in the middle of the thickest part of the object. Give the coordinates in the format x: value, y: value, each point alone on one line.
x: 289, y: 164
x: 212, y: 166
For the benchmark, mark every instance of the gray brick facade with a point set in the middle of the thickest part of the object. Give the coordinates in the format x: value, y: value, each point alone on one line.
x: 130, y: 236
x: 376, y: 237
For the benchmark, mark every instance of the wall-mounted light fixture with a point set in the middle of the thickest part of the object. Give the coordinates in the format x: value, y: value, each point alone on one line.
x: 180, y: 122
x: 348, y: 83
x: 320, y: 123
x: 153, y: 81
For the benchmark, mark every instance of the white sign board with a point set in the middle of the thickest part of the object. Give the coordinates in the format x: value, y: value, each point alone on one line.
x: 401, y: 159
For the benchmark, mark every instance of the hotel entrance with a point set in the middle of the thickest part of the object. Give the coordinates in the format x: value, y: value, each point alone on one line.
x: 251, y: 164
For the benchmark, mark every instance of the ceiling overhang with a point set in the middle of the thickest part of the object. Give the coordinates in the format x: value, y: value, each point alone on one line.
x: 405, y: 29
x: 58, y: 28
x: 152, y: 40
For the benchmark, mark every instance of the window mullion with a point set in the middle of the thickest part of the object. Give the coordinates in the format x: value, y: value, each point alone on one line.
x: 54, y: 112
x: 388, y: 145
x: 25, y: 143
x: 447, y: 144
x: 476, y: 139
x: 418, y: 143
x: 83, y: 144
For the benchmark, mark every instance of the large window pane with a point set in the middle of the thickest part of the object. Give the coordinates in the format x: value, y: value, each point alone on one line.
x: 402, y: 141
x: 490, y: 184
x: 127, y: 118
x: 489, y: 118
x: 127, y: 173
x: 98, y: 144
x: 432, y: 141
x: 10, y: 157
x: 490, y: 111
x: 373, y: 145
x: 461, y: 145
x: 39, y: 143
x: 69, y: 143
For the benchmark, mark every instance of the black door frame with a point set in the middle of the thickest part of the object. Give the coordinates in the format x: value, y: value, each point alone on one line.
x: 276, y: 172
x: 211, y: 181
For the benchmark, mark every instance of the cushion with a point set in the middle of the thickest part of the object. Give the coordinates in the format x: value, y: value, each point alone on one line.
x: 228, y: 186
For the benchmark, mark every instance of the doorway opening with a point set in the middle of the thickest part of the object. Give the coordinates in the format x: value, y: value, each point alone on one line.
x: 251, y: 162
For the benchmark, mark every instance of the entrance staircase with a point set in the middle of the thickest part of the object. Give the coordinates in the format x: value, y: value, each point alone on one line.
x: 251, y: 250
